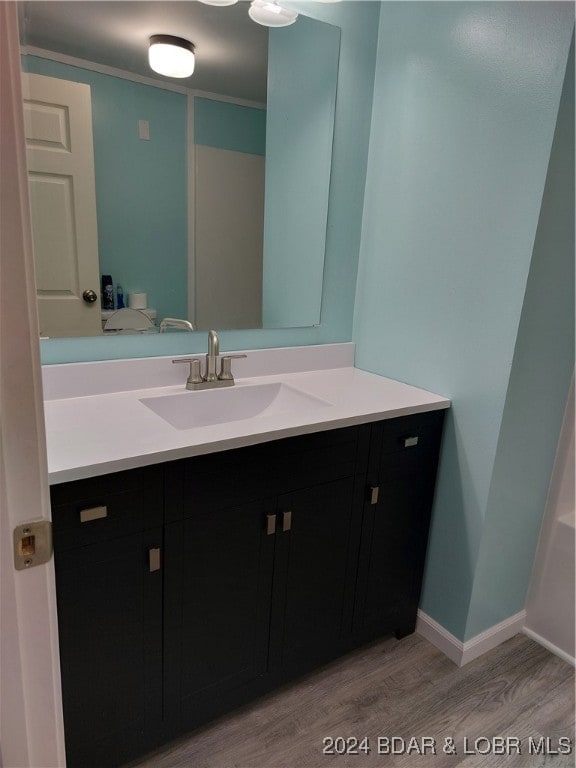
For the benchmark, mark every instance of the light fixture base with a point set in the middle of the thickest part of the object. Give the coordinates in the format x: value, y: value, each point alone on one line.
x: 269, y: 14
x: 171, y: 56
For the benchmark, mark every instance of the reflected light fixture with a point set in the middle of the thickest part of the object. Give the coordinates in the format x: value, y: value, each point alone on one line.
x: 171, y: 56
x: 270, y: 14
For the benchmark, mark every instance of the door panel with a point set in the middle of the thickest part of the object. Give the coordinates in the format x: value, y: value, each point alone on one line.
x: 229, y: 223
x: 311, y: 581
x: 398, y: 544
x: 58, y: 126
x: 403, y: 463
x: 109, y: 619
x: 218, y: 586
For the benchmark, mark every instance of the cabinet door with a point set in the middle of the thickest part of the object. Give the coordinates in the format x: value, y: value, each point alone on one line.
x: 313, y: 584
x: 110, y: 628
x: 107, y: 539
x: 402, y: 472
x: 219, y: 565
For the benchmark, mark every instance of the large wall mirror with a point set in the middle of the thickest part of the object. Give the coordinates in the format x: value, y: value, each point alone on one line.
x: 205, y: 199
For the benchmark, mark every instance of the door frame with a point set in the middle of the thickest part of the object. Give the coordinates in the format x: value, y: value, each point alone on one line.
x: 31, y: 725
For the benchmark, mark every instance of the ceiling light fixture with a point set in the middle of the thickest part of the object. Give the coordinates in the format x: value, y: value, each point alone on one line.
x: 171, y: 56
x: 270, y: 14
x: 219, y: 2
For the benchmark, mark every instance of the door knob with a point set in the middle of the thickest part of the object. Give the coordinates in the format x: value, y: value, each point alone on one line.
x: 89, y: 296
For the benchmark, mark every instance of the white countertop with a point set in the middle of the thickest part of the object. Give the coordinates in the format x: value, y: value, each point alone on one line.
x: 112, y: 431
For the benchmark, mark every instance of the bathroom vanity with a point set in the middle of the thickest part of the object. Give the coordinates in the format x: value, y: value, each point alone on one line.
x: 211, y: 574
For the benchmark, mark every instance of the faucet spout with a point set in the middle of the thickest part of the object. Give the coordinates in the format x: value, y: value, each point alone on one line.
x: 175, y: 322
x: 212, y: 356
x: 210, y: 379
x: 213, y: 344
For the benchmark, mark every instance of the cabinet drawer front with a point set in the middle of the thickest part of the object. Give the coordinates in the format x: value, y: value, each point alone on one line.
x: 420, y: 431
x: 90, y: 511
x: 317, y: 458
x: 118, y: 482
x: 243, y: 475
x: 214, y: 482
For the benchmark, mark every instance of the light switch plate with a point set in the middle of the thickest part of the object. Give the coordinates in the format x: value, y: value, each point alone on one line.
x: 143, y: 130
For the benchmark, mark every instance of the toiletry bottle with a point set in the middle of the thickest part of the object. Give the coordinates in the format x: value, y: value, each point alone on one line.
x: 107, y: 292
x: 119, y: 297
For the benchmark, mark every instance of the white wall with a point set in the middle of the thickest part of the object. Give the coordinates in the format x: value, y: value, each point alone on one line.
x: 550, y: 607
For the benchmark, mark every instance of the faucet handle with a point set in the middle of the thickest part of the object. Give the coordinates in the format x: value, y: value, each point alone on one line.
x: 226, y: 367
x: 195, y: 376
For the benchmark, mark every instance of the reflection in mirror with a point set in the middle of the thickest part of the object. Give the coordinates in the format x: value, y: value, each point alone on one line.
x: 210, y: 202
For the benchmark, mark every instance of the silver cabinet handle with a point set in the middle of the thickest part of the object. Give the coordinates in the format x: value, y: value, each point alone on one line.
x: 154, y: 559
x: 93, y: 513
x: 410, y: 442
x: 374, y: 493
x: 270, y: 525
x: 287, y: 521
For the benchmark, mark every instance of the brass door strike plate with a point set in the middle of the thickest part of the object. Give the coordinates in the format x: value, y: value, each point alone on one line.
x: 32, y: 544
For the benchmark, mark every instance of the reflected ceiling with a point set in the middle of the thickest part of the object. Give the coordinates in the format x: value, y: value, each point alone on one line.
x: 231, y: 55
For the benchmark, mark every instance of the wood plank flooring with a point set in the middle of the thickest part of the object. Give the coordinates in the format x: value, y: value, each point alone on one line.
x: 405, y: 689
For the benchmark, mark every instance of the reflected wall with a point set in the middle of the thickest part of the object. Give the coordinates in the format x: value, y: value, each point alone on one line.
x: 358, y: 22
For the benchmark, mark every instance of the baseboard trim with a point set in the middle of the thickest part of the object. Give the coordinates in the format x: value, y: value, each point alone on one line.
x: 549, y: 646
x: 443, y: 640
x: 462, y: 653
x: 493, y: 636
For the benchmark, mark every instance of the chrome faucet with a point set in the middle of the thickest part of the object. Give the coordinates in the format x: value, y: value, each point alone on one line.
x: 212, y: 356
x: 210, y: 380
x: 175, y: 322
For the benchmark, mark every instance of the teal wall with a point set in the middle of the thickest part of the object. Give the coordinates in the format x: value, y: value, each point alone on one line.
x: 223, y: 125
x: 141, y: 186
x: 465, y: 103
x: 359, y: 30
x: 539, y: 381
x: 465, y: 284
x: 301, y: 104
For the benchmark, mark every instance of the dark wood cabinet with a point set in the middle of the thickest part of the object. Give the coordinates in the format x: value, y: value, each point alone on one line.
x: 218, y: 585
x: 257, y: 562
x: 107, y: 537
x: 313, y: 566
x: 397, y: 508
x: 216, y: 578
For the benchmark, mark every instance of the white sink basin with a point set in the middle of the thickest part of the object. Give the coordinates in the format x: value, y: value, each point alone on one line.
x: 217, y: 406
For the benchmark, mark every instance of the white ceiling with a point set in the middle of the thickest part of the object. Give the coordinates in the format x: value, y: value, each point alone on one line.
x: 231, y: 50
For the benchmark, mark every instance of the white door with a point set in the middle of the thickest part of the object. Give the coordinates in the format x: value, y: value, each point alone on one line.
x: 31, y: 730
x: 229, y: 222
x: 60, y: 154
